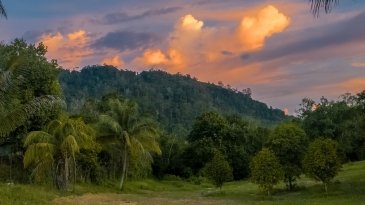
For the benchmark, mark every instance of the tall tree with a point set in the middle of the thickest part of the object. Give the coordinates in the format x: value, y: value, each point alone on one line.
x: 122, y: 125
x: 2, y: 10
x: 54, y: 149
x: 28, y: 85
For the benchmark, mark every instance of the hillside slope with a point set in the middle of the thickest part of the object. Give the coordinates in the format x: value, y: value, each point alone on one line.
x: 175, y: 100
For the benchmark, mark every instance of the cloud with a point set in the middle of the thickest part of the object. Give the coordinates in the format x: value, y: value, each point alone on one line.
x: 316, y: 39
x: 125, y: 40
x: 253, y: 30
x: 358, y: 65
x: 115, y: 61
x: 69, y: 49
x: 353, y: 85
x: 193, y: 45
x: 121, y: 17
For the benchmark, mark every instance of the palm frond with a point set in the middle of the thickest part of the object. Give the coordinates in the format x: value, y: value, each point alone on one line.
x: 17, y: 117
x: 108, y: 126
x: 327, y: 5
x: 2, y: 10
x: 38, y: 152
x: 38, y: 137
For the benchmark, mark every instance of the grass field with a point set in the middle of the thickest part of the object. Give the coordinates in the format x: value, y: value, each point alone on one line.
x: 348, y: 188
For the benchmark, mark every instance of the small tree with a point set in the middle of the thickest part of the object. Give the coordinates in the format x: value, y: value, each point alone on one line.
x: 322, y: 161
x: 218, y: 170
x: 266, y: 170
x: 288, y: 142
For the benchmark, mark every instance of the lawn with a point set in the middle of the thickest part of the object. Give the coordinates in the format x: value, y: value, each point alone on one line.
x: 347, y: 188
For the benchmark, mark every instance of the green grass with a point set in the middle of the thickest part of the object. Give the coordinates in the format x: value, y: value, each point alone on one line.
x: 348, y: 188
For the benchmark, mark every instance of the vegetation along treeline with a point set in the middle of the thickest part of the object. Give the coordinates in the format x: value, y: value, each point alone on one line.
x: 104, y: 125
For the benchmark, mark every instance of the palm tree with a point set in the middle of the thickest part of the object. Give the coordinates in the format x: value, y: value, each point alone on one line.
x: 2, y: 10
x: 316, y: 5
x: 130, y: 132
x: 54, y: 149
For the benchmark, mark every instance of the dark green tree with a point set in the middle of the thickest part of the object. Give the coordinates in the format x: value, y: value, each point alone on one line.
x: 29, y: 87
x: 322, y: 161
x: 218, y: 170
x: 289, y: 143
x: 266, y: 170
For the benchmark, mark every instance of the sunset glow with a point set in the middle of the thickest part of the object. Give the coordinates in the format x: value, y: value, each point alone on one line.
x: 276, y: 48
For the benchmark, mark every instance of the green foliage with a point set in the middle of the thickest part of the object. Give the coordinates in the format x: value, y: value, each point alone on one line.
x: 52, y: 153
x: 218, y: 170
x: 173, y: 100
x: 29, y: 88
x: 135, y: 137
x: 233, y: 136
x: 322, y: 161
x: 266, y: 170
x: 289, y: 143
x: 342, y: 121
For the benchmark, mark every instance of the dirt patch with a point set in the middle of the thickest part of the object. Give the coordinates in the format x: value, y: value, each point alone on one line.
x: 94, y: 199
x: 127, y: 199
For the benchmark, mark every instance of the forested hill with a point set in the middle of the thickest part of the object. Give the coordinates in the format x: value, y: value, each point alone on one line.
x: 175, y: 100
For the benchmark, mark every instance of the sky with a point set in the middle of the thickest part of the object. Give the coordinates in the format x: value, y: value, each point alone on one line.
x: 275, y: 47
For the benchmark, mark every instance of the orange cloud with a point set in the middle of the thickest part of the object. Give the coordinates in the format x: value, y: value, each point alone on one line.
x: 354, y: 85
x: 154, y: 57
x: 198, y: 49
x: 69, y: 49
x: 358, y: 65
x: 115, y: 61
x: 190, y: 23
x: 253, y: 30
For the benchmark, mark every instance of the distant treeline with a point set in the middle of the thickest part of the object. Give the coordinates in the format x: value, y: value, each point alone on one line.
x: 174, y: 100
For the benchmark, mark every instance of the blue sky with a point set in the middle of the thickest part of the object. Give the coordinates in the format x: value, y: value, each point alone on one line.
x: 277, y: 48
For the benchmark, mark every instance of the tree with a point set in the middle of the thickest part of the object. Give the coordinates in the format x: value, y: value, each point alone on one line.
x: 322, y: 161
x: 54, y: 149
x: 2, y: 10
x: 317, y: 5
x: 289, y: 142
x: 22, y: 98
x: 266, y: 170
x: 218, y: 170
x: 133, y: 134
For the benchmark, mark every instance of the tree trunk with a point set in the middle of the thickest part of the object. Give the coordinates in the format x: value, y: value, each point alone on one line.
x: 290, y: 184
x: 269, y: 191
x: 325, y: 187
x: 124, y: 171
x: 66, y: 172
x: 75, y: 168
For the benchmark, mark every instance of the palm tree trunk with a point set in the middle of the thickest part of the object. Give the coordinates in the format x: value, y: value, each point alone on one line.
x: 124, y: 171
x: 75, y: 168
x: 66, y: 172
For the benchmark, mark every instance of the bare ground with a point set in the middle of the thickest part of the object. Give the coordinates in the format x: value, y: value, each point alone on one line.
x: 130, y: 199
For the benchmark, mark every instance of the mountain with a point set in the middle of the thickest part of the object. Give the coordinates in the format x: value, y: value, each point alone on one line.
x: 174, y: 100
